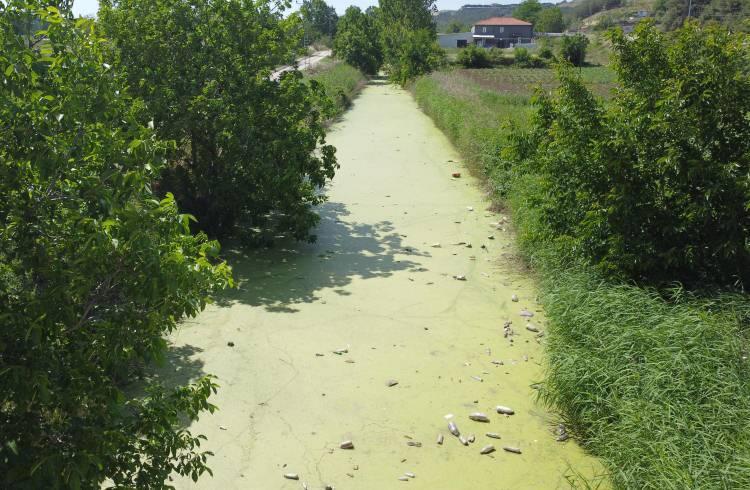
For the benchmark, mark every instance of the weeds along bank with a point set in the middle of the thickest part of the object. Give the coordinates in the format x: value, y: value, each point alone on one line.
x: 341, y: 83
x: 612, y: 210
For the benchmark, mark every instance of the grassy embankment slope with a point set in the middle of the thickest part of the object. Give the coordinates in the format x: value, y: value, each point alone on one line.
x: 655, y: 385
x: 342, y: 82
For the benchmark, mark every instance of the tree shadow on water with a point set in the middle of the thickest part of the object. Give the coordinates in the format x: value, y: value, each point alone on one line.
x: 293, y: 273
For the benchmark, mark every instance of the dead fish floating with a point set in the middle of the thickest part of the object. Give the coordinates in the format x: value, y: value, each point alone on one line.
x: 403, y: 478
x: 459, y: 277
x: 454, y: 429
x: 498, y: 363
x: 463, y: 440
x: 504, y: 410
x: 479, y: 417
x: 493, y: 435
x: 347, y: 445
x: 487, y: 449
x: 414, y: 444
x: 532, y: 328
x: 440, y: 439
x: 340, y: 352
x: 471, y: 438
x: 526, y: 313
x: 514, y: 298
x: 291, y: 476
x: 391, y: 382
x: 410, y: 474
x: 512, y: 449
x: 477, y: 378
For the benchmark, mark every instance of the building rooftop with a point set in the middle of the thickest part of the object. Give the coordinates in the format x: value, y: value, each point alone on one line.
x: 502, y: 21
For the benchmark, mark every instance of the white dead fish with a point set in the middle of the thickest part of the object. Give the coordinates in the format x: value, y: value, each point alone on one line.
x: 531, y: 327
x: 403, y: 478
x: 453, y: 428
x: 479, y: 417
x: 440, y: 439
x: 477, y: 378
x: 341, y: 351
x: 414, y: 444
x: 347, y: 445
x: 526, y: 313
x: 512, y: 449
x: 471, y: 438
x: 391, y: 382
x: 504, y: 410
x: 463, y: 440
x: 410, y: 474
x: 493, y: 435
x: 514, y: 298
x: 459, y: 277
x: 291, y: 476
x: 487, y: 449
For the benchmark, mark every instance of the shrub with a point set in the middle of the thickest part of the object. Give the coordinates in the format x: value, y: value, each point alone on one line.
x: 573, y: 49
x: 250, y: 149
x: 521, y: 56
x: 664, y: 197
x: 93, y: 269
x: 474, y: 57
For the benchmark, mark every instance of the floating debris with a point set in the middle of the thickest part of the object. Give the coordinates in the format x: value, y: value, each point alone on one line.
x: 319, y: 354
x: 459, y: 277
x: 512, y: 449
x: 525, y: 358
x: 391, y: 382
x: 350, y: 361
x: 479, y: 417
x: 469, y: 208
x: 340, y: 352
x: 487, y: 449
x: 498, y: 363
x: 526, y: 313
x: 456, y: 175
x: 514, y: 298
x: 291, y: 476
x: 347, y: 445
x: 440, y: 439
x: 453, y: 428
x: 491, y: 237
x: 414, y: 443
x: 448, y: 416
x: 493, y: 435
x: 505, y: 410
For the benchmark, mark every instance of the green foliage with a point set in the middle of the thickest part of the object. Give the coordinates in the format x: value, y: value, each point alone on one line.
x: 528, y: 10
x: 664, y: 197
x: 341, y: 83
x: 573, y: 49
x: 457, y: 26
x: 319, y: 19
x: 94, y: 269
x: 474, y: 57
x: 521, y: 56
x: 732, y: 13
x: 409, y: 39
x: 550, y: 20
x: 358, y: 40
x: 250, y: 149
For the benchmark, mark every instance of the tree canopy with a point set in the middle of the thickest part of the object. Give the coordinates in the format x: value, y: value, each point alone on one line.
x: 528, y: 10
x: 319, y: 19
x: 94, y: 268
x: 358, y: 40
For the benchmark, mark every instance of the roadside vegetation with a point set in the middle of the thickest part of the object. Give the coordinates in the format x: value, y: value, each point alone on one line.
x: 341, y: 83
x: 639, y: 229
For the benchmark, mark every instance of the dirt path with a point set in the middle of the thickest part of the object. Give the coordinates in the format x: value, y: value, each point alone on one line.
x: 303, y: 64
x: 375, y: 285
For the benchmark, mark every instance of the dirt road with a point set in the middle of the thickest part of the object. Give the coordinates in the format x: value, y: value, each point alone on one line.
x: 304, y: 63
x: 379, y: 285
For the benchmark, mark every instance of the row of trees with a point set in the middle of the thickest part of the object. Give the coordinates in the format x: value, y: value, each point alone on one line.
x: 545, y: 19
x: 399, y: 36
x: 107, y: 130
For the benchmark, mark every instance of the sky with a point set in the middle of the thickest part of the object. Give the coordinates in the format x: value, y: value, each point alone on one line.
x: 89, y: 7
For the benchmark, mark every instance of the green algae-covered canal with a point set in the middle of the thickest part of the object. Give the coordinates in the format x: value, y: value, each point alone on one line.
x: 379, y: 283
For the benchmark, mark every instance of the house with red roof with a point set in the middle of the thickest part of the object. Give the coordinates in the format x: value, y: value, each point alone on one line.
x: 501, y: 32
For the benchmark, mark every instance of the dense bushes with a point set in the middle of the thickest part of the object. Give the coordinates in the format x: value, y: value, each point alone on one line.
x: 93, y: 269
x: 474, y: 57
x: 664, y: 197
x: 573, y: 49
x: 246, y: 144
x: 358, y: 40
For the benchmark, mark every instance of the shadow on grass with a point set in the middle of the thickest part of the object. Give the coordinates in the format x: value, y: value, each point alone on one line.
x: 293, y: 273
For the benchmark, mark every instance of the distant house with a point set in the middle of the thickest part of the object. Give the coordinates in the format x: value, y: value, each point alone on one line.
x: 502, y: 32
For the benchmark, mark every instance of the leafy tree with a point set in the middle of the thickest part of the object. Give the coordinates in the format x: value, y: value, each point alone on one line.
x: 319, y: 19
x: 654, y: 184
x: 474, y: 57
x: 573, y: 49
x: 409, y: 38
x: 550, y: 20
x: 358, y: 41
x: 250, y: 149
x: 528, y: 10
x: 93, y: 269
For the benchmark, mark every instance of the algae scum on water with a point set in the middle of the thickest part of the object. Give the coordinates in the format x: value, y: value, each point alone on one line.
x: 400, y: 347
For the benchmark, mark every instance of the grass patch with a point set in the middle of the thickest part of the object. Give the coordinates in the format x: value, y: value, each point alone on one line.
x: 654, y: 383
x: 342, y: 82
